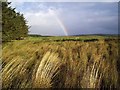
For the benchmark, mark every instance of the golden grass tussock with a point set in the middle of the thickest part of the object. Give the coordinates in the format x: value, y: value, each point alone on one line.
x: 47, y: 70
x: 92, y: 76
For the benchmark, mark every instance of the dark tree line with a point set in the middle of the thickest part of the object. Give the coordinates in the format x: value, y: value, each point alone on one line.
x: 14, y: 25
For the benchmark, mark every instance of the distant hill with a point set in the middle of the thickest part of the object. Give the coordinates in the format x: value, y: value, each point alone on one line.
x: 37, y: 35
x: 96, y: 35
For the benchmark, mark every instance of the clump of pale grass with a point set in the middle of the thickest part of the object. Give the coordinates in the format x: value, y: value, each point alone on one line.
x: 10, y: 71
x: 47, y: 70
x: 92, y: 76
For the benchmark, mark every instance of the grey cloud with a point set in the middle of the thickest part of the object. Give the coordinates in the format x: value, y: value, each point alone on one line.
x: 78, y: 18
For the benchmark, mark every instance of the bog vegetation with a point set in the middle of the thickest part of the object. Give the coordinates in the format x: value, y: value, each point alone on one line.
x: 49, y: 62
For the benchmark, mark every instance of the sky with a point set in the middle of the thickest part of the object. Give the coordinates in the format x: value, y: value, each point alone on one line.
x: 69, y: 18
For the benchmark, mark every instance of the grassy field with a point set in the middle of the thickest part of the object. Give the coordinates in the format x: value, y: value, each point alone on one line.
x: 61, y: 62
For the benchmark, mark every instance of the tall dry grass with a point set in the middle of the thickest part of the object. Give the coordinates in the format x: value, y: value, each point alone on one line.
x: 69, y: 64
x: 47, y: 70
x: 92, y: 76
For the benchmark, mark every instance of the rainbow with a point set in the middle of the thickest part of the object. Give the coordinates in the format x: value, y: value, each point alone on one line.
x: 64, y: 29
x: 62, y: 26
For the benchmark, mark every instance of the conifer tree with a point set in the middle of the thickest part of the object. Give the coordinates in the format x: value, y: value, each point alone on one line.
x: 14, y: 25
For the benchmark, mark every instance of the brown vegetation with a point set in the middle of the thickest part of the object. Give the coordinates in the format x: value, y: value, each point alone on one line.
x: 69, y: 64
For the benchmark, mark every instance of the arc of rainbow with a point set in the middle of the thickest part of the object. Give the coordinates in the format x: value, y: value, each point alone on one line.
x: 62, y: 26
x: 64, y: 29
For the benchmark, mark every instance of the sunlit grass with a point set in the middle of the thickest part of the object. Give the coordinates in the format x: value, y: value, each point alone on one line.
x: 45, y: 63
